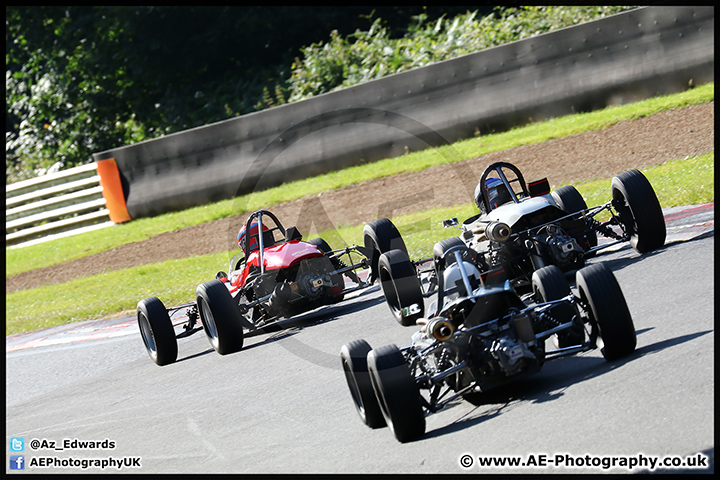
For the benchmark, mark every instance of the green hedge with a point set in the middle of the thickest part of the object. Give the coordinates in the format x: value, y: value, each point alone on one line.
x: 367, y: 55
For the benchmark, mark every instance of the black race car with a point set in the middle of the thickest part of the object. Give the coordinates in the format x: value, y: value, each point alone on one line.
x: 480, y: 337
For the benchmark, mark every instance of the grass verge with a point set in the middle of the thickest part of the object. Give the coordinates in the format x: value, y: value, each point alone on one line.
x: 680, y: 182
x: 32, y: 257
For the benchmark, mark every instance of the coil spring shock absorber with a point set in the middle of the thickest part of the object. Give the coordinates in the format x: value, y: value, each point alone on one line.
x: 338, y: 264
x: 605, y: 229
x: 546, y: 320
x: 443, y: 359
x: 192, y: 314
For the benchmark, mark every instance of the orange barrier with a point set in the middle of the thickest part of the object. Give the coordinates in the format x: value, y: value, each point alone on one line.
x: 112, y: 190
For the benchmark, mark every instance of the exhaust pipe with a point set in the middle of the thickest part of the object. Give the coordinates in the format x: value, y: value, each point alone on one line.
x: 440, y: 329
x: 493, y: 231
x: 497, y: 232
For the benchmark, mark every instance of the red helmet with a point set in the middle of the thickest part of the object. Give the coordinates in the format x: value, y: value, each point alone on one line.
x: 253, y: 236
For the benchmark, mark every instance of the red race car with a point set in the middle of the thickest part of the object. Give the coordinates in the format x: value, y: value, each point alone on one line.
x: 275, y: 275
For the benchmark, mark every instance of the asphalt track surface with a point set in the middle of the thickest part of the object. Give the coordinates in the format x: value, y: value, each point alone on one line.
x: 281, y: 405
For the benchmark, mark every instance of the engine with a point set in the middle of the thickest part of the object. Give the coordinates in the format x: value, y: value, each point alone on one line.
x: 497, y: 254
x: 512, y: 354
x: 559, y: 246
x: 313, y: 279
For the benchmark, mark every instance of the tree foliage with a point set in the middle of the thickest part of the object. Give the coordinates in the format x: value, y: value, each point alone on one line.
x: 367, y: 55
x: 81, y: 79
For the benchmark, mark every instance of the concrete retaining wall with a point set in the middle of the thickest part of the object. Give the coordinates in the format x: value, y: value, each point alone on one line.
x: 627, y: 57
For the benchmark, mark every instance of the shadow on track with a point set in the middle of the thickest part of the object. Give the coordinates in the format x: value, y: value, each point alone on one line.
x: 547, y: 385
x: 287, y: 328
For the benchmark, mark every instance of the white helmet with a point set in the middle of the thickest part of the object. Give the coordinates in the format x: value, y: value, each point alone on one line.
x: 452, y: 278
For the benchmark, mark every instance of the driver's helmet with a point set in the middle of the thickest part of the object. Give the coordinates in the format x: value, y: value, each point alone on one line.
x: 496, y: 191
x: 452, y: 279
x: 253, y: 236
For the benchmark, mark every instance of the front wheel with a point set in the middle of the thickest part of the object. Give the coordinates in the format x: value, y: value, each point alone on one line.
x: 157, y: 331
x: 220, y: 317
x: 396, y: 392
x: 608, y: 310
x: 402, y: 289
x: 639, y: 210
x: 354, y: 363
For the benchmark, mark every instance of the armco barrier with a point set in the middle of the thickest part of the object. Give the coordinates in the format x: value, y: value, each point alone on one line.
x: 65, y: 203
x: 633, y: 55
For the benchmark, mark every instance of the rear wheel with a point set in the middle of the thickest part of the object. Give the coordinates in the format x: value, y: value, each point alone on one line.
x: 601, y: 293
x: 397, y: 393
x: 354, y: 362
x: 549, y: 283
x: 570, y: 201
x: 220, y: 317
x: 639, y: 210
x: 157, y: 331
x: 402, y: 289
x: 321, y: 244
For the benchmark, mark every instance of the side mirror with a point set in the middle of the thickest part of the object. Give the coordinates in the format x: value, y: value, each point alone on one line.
x: 451, y: 222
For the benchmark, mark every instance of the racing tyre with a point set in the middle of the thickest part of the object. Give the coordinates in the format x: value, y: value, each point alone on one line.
x: 402, y: 289
x: 354, y: 363
x: 549, y: 283
x: 220, y: 316
x: 443, y: 246
x: 570, y: 201
x: 157, y: 331
x: 321, y: 244
x: 396, y: 392
x: 639, y: 210
x: 381, y: 236
x: 601, y: 293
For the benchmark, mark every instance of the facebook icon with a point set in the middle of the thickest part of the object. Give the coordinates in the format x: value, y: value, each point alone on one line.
x: 17, y: 462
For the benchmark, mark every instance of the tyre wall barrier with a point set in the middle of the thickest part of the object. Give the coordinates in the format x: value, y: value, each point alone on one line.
x: 626, y: 57
x: 65, y: 203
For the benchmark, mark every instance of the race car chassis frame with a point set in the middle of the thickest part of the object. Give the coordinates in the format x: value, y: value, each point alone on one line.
x: 192, y: 325
x: 588, y: 215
